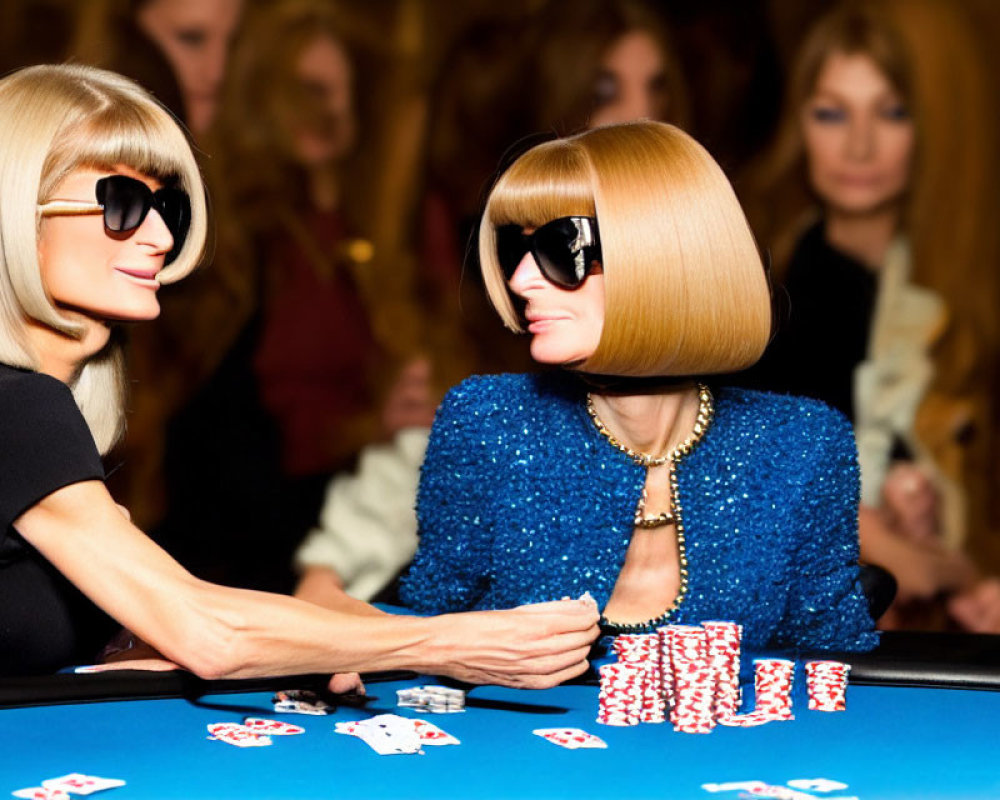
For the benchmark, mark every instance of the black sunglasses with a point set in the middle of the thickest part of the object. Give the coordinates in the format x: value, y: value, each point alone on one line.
x: 124, y: 202
x: 566, y: 250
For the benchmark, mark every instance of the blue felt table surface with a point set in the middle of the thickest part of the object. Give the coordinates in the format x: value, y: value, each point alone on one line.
x: 891, y: 743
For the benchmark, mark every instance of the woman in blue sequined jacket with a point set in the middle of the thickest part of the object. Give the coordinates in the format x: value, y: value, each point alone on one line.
x: 624, y: 254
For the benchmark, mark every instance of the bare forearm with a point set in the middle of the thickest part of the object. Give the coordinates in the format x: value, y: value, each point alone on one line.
x: 218, y: 631
x: 266, y: 634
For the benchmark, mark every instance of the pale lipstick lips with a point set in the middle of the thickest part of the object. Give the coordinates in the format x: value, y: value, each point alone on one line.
x: 141, y: 274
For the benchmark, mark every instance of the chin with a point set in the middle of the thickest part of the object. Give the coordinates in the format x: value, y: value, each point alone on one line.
x: 134, y: 314
x: 860, y: 203
x: 556, y: 356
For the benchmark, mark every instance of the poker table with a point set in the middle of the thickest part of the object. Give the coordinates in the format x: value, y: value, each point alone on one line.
x: 921, y: 722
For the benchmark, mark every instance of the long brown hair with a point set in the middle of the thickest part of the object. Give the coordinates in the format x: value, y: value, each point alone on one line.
x: 570, y: 39
x: 934, y: 61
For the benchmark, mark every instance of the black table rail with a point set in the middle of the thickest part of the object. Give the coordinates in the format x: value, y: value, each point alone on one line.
x: 937, y: 660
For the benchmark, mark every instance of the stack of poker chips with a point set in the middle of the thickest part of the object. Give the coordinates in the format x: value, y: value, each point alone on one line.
x: 826, y: 684
x: 685, y: 673
x: 621, y: 692
x: 773, y: 693
x: 690, y: 675
x: 435, y: 699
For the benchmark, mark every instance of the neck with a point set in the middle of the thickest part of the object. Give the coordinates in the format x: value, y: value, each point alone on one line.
x: 651, y: 422
x: 62, y: 356
x: 324, y: 188
x: 864, y: 237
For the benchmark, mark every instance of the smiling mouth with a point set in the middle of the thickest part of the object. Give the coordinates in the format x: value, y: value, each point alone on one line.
x: 146, y: 276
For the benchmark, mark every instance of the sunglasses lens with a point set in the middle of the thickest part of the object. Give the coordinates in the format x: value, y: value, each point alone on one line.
x: 512, y: 244
x: 175, y: 208
x: 126, y: 202
x: 566, y: 249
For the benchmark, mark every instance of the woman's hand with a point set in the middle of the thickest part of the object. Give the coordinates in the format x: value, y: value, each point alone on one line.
x: 978, y: 609
x: 922, y: 569
x: 534, y: 646
x: 346, y: 683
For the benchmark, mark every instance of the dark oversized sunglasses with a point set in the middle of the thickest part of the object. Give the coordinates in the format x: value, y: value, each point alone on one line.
x: 566, y: 249
x: 125, y: 202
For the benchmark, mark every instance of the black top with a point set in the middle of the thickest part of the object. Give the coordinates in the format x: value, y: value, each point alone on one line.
x: 823, y: 321
x: 45, y: 444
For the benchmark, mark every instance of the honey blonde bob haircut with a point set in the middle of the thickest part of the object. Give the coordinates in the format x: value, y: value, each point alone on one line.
x: 685, y: 290
x: 53, y: 120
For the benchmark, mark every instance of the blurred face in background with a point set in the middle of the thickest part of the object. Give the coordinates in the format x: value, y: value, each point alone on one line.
x: 859, y: 137
x: 632, y: 82
x: 194, y: 35
x: 321, y: 123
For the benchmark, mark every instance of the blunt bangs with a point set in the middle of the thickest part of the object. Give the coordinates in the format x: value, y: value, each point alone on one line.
x: 549, y: 181
x: 553, y: 180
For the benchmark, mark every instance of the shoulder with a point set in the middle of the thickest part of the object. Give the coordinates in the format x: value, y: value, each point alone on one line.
x: 511, y: 396
x: 790, y: 420
x: 27, y: 395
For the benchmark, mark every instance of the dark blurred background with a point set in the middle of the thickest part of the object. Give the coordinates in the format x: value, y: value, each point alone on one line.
x: 347, y: 146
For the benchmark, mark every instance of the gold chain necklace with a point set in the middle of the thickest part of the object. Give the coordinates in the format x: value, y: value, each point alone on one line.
x: 706, y: 410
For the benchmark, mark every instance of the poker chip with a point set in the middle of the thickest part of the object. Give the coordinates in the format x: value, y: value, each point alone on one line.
x: 689, y: 674
x: 620, y: 698
x: 432, y: 699
x: 773, y: 687
x: 826, y: 685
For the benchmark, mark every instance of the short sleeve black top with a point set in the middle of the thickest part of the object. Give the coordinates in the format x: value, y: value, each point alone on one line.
x: 45, y: 444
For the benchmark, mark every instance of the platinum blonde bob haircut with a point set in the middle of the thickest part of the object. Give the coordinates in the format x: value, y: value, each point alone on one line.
x: 53, y: 120
x: 685, y: 289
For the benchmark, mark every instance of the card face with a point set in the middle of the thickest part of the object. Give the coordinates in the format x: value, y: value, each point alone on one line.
x: 817, y: 785
x: 272, y: 727
x: 80, y: 784
x: 388, y: 734
x: 41, y: 793
x: 431, y: 734
x: 570, y: 738
x: 237, y: 735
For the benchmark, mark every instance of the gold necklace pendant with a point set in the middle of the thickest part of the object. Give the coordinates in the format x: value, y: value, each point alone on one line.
x: 706, y: 411
x: 649, y: 523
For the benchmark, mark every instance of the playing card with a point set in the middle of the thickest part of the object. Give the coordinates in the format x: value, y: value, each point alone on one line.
x: 239, y: 735
x: 431, y: 734
x: 386, y: 734
x: 41, y: 793
x: 733, y: 786
x: 817, y: 785
x: 78, y: 783
x: 272, y: 727
x: 570, y: 738
x: 300, y: 701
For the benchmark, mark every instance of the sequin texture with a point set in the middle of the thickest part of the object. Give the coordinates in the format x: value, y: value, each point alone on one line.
x: 521, y: 500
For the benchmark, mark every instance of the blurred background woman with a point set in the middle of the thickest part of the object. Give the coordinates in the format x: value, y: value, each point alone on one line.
x: 878, y: 203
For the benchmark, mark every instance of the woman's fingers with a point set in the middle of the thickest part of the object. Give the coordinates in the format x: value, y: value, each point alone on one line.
x: 530, y: 646
x: 346, y: 683
x: 148, y: 664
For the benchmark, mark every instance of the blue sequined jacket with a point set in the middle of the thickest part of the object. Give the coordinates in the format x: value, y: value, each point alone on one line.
x: 522, y: 500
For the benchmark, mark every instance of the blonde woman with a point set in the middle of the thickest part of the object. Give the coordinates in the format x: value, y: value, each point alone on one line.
x: 624, y: 254
x: 101, y: 204
x: 877, y: 201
